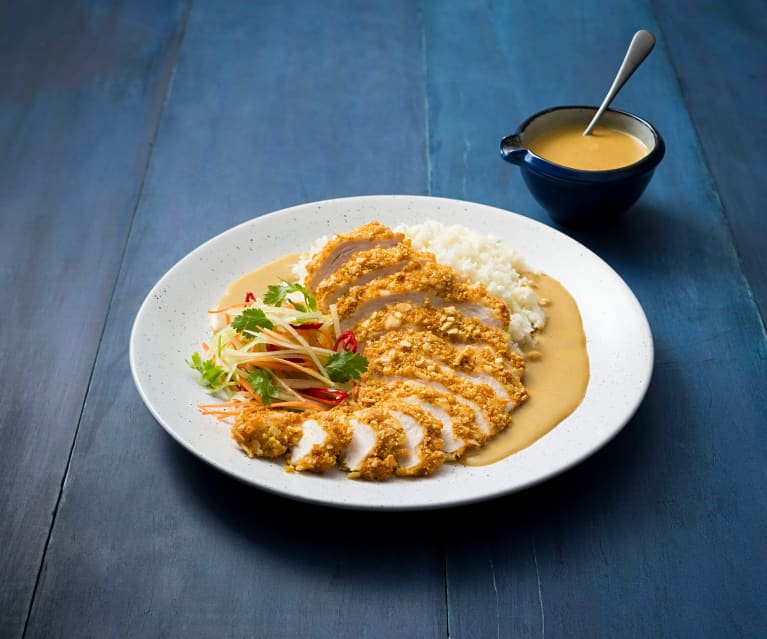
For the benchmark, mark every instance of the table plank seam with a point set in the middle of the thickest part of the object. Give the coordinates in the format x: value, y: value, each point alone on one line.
x: 707, y: 164
x: 446, y: 591
x: 426, y: 116
x: 176, y: 48
x: 540, y: 593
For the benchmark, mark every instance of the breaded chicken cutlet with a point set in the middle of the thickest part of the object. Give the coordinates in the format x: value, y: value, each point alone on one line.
x: 426, y: 283
x: 501, y: 370
x: 344, y: 245
x: 448, y: 323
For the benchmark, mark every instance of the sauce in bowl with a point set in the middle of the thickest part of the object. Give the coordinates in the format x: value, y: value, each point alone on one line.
x: 605, y: 149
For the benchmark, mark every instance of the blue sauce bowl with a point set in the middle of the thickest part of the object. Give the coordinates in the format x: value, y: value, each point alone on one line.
x: 582, y: 198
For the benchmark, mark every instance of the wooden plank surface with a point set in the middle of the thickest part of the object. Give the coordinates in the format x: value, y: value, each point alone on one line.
x: 718, y: 50
x: 660, y: 534
x: 80, y: 98
x: 268, y: 109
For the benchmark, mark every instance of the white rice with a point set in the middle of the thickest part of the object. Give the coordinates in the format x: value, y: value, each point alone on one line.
x: 482, y: 258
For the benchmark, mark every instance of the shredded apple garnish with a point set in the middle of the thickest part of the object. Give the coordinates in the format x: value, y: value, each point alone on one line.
x: 278, y: 352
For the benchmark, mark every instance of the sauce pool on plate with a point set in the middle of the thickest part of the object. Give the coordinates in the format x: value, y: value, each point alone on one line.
x: 556, y: 376
x: 255, y: 282
x: 605, y: 149
x: 556, y: 370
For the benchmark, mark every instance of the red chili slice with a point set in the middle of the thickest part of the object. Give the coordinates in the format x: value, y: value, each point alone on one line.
x: 347, y: 341
x: 326, y: 394
x: 249, y: 297
x: 308, y: 326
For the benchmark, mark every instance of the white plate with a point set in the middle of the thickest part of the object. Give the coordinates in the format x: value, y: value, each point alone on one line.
x: 173, y: 320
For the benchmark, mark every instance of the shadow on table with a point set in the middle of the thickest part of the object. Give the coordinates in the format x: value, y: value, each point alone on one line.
x: 648, y: 238
x: 317, y: 536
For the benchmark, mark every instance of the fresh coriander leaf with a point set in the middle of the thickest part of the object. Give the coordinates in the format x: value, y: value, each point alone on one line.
x: 251, y: 319
x: 276, y: 294
x: 345, y: 366
x: 210, y: 374
x: 261, y: 381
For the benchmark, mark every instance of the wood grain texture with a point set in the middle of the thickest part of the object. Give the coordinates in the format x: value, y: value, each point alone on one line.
x: 80, y: 97
x: 658, y: 535
x: 719, y: 50
x: 270, y: 106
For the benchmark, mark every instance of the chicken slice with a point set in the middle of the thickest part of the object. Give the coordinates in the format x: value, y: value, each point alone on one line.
x: 267, y: 433
x: 500, y: 370
x: 324, y: 436
x: 377, y: 438
x: 458, y: 423
x: 430, y: 284
x: 490, y: 413
x: 422, y: 454
x: 448, y: 323
x: 342, y: 246
x: 365, y: 266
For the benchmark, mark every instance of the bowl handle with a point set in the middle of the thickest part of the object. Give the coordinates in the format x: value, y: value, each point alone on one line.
x: 512, y: 149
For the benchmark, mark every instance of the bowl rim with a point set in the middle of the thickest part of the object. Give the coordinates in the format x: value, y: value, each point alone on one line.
x: 540, y: 165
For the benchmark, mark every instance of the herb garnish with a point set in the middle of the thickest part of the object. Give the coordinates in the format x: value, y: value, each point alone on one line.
x: 276, y: 294
x: 251, y: 319
x: 210, y: 374
x: 345, y: 366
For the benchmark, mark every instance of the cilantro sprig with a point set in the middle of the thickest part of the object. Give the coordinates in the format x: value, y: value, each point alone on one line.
x: 263, y: 385
x: 251, y: 319
x: 211, y: 374
x: 345, y: 366
x: 276, y: 294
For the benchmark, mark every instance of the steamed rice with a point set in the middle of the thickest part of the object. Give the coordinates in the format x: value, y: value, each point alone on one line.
x: 481, y: 258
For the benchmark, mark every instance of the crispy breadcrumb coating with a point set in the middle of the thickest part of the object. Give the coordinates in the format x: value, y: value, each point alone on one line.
x: 380, y: 461
x: 501, y: 370
x: 267, y: 433
x: 428, y: 452
x: 459, y: 430
x: 343, y: 245
x: 448, y: 323
x: 426, y: 283
x: 364, y: 266
x: 324, y: 454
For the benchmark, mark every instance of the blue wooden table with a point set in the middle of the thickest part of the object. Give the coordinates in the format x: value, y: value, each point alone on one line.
x: 130, y: 132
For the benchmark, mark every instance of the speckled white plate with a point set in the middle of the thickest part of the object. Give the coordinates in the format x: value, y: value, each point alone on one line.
x: 173, y: 320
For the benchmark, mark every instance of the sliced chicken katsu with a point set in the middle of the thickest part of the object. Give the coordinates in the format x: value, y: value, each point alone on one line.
x: 377, y: 438
x: 365, y: 266
x: 422, y: 454
x: 344, y: 245
x: 501, y: 370
x: 429, y: 284
x: 448, y: 323
x: 490, y: 412
x: 457, y: 420
x: 325, y: 435
x: 267, y: 433
x: 314, y: 440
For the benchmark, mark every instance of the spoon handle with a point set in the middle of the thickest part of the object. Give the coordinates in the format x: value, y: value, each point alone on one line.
x: 640, y: 47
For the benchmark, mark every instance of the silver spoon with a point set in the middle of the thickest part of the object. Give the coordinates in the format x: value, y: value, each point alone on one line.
x: 640, y: 47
